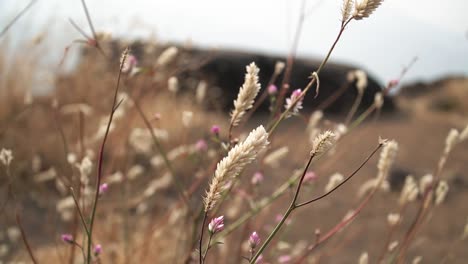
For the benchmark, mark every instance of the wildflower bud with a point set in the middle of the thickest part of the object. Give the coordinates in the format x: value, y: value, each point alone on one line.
x: 257, y: 178
x: 254, y: 240
x: 215, y: 130
x: 201, y: 145
x: 103, y: 188
x: 216, y: 225
x: 293, y: 103
x: 67, y: 238
x: 97, y: 250
x: 272, y: 89
x: 129, y: 63
x: 425, y: 182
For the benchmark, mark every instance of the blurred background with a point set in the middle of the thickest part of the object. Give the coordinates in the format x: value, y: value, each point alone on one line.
x: 434, y: 31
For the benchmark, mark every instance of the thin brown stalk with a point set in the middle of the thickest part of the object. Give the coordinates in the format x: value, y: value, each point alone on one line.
x: 101, y: 158
x: 25, y: 239
x: 16, y: 18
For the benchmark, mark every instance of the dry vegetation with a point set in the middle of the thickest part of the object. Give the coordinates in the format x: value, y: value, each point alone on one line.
x: 170, y: 165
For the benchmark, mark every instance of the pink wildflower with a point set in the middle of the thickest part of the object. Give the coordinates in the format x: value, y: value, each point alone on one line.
x: 216, y: 225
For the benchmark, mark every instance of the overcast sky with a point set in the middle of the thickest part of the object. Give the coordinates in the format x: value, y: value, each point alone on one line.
x: 434, y: 30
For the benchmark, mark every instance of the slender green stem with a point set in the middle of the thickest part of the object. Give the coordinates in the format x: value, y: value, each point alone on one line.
x: 101, y: 160
x: 200, y: 244
x: 291, y: 208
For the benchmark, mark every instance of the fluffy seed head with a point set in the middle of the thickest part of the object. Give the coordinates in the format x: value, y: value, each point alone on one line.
x: 346, y: 10
x: 6, y: 156
x: 393, y: 219
x: 279, y: 67
x: 322, y: 142
x: 364, y: 8
x: 230, y: 166
x: 167, y: 56
x: 247, y: 93
x: 425, y: 182
x: 334, y: 180
x: 378, y: 100
x: 441, y: 192
x: 364, y: 258
x: 387, y: 157
x: 173, y: 84
x: 410, y: 190
x: 273, y: 159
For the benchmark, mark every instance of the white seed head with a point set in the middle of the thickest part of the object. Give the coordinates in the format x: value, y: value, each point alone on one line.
x: 201, y: 91
x: 410, y: 190
x: 274, y: 158
x: 173, y: 85
x: 387, y: 157
x: 334, y: 180
x: 393, y: 219
x: 346, y: 10
x: 6, y: 156
x: 322, y: 142
x: 187, y: 117
x: 451, y: 140
x: 247, y: 93
x: 235, y: 161
x: 425, y: 182
x: 392, y: 246
x: 279, y: 67
x: 378, y: 100
x: 364, y: 258
x: 441, y: 192
x: 417, y: 260
x: 464, y: 134
x: 167, y: 56
x: 465, y: 231
x: 364, y: 8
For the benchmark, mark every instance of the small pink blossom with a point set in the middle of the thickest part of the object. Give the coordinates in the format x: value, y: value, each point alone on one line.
x: 279, y: 217
x: 272, y: 89
x: 254, y: 240
x: 257, y: 178
x: 294, y: 108
x: 393, y: 83
x: 216, y: 225
x: 284, y: 259
x: 215, y: 129
x: 310, y: 177
x: 97, y: 250
x: 129, y: 63
x: 68, y: 238
x: 103, y: 188
x: 201, y: 145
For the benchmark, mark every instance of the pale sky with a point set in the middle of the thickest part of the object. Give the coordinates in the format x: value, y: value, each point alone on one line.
x: 433, y: 30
